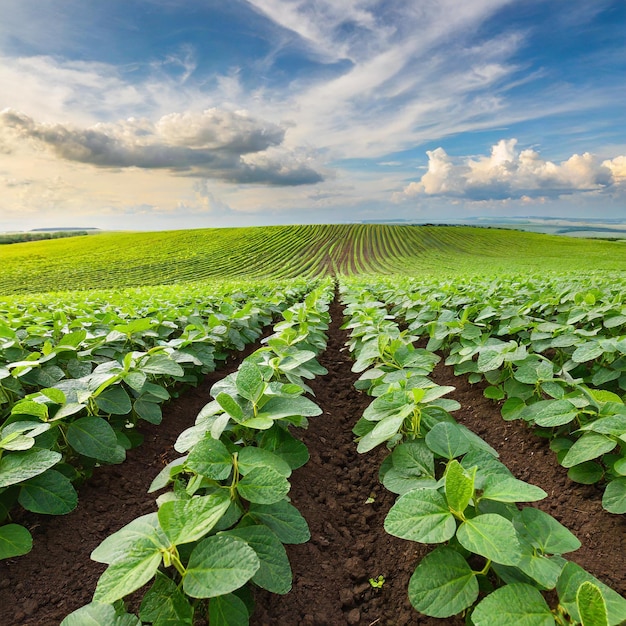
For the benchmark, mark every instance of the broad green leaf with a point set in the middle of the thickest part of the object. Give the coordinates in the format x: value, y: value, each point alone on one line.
x: 50, y: 493
x: 165, y: 605
x: 546, y: 533
x: 443, y: 584
x: 228, y: 610
x: 161, y: 364
x: 249, y: 381
x: 210, y: 458
x: 15, y: 540
x: 398, y: 482
x: 252, y: 456
x: 114, y: 401
x: 542, y: 569
x: 550, y: 413
x: 263, y: 485
x: 142, y: 529
x: 383, y: 431
x: 230, y: 405
x: 591, y: 605
x: 94, y: 437
x: 614, y: 498
x: 414, y: 458
x: 588, y: 447
x: 219, y: 565
x: 459, y: 486
x: 421, y: 515
x: 490, y: 360
x: 572, y: 577
x: 18, y: 467
x: 447, y: 440
x: 130, y: 571
x: 148, y: 411
x: 282, y: 442
x: 518, y: 603
x: 274, y: 573
x: 98, y: 614
x: 284, y: 519
x: 509, y: 489
x: 184, y: 521
x: 586, y: 473
x: 280, y: 407
x: 492, y: 536
x: 164, y: 477
x: 588, y: 351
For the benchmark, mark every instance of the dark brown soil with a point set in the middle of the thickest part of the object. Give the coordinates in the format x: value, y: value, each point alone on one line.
x: 348, y: 544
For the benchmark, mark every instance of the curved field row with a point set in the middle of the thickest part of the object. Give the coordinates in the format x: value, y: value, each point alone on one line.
x: 113, y: 260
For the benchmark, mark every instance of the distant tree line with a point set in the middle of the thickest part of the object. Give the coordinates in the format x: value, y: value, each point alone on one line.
x: 38, y: 236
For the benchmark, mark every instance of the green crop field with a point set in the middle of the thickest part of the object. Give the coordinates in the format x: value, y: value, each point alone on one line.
x: 117, y: 260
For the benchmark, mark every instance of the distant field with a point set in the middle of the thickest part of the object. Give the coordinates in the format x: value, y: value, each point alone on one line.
x: 117, y: 260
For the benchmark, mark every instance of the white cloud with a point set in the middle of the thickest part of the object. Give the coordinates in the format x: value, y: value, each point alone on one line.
x: 219, y: 144
x: 509, y: 173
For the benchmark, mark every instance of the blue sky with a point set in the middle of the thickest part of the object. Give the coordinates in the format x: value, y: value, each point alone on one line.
x: 158, y: 114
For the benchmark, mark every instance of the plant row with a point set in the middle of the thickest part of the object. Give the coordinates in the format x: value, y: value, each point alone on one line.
x: 493, y: 558
x: 554, y: 351
x: 221, y: 526
x: 76, y: 381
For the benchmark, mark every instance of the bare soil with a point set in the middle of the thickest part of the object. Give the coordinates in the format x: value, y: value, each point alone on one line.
x: 348, y: 544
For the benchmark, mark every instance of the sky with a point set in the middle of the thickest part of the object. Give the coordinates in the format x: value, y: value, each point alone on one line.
x: 166, y: 114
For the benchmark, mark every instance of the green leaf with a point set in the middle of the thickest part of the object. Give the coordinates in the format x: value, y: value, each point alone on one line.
x: 184, y: 521
x: 591, y: 605
x: 284, y: 519
x: 545, y: 533
x: 114, y: 401
x: 274, y: 573
x: 149, y: 411
x: 448, y: 440
x: 459, y: 486
x: 283, y: 443
x: 586, y: 473
x: 249, y: 381
x: 161, y: 364
x: 130, y: 571
x: 518, y: 603
x: 94, y: 437
x: 279, y: 407
x: 490, y: 360
x: 414, y: 458
x: 228, y: 610
x: 218, y: 565
x: 443, y: 584
x: 588, y: 447
x: 383, y: 431
x: 97, y: 614
x: 165, y: 605
x: 550, y: 413
x: 142, y: 529
x: 421, y: 515
x: 210, y: 458
x: 263, y: 485
x: 19, y: 467
x: 614, y: 498
x: 491, y: 536
x: 587, y: 352
x: 572, y: 577
x: 230, y: 405
x: 50, y: 493
x: 252, y: 456
x: 494, y: 393
x: 15, y: 540
x: 509, y: 489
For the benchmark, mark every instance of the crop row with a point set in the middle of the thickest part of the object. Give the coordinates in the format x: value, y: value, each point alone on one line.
x: 110, y: 260
x: 220, y: 528
x: 76, y: 381
x: 453, y: 492
x: 554, y: 352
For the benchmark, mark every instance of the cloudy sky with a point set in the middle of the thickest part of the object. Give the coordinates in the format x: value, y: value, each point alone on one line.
x: 159, y: 114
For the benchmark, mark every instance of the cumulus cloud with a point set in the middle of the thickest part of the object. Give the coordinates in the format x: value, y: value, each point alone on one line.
x: 227, y: 145
x: 509, y: 173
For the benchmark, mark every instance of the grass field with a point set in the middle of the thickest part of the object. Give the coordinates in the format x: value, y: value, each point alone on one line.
x: 123, y: 259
